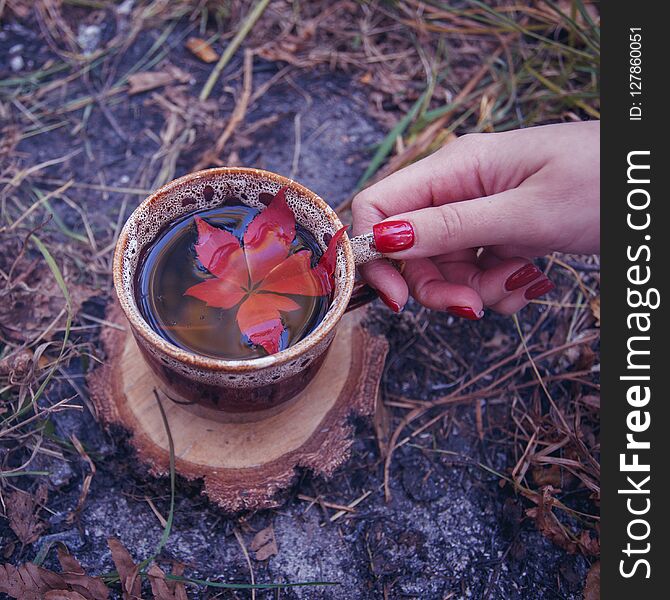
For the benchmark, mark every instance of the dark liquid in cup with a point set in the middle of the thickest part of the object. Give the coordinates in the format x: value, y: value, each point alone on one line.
x: 169, y: 266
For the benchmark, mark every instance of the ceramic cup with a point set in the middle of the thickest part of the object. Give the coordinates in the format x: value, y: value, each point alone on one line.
x: 235, y: 386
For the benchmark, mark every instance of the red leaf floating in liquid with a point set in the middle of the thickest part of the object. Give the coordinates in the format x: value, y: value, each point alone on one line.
x: 259, y: 319
x: 268, y: 237
x: 328, y: 260
x: 294, y: 275
x: 217, y: 293
x: 257, y: 273
x: 220, y: 253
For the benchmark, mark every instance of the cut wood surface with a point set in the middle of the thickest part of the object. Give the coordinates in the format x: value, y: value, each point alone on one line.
x: 242, y: 464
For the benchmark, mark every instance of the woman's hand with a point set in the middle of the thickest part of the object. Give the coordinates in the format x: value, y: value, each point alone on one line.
x: 515, y: 195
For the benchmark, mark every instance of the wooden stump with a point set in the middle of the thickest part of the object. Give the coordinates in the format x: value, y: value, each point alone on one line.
x: 242, y: 464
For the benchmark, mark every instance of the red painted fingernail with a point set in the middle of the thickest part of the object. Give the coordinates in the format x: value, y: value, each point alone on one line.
x: 392, y: 304
x: 393, y: 236
x: 465, y: 312
x: 538, y: 289
x: 522, y: 277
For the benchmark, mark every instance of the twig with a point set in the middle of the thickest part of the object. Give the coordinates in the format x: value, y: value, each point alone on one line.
x: 96, y: 187
x: 586, y: 291
x: 296, y: 147
x: 246, y: 27
x: 87, y: 479
x: 325, y: 503
x: 60, y: 405
x: 454, y: 398
x: 539, y: 377
x: 159, y: 516
x: 21, y: 175
x: 240, y: 541
x: 236, y: 117
x: 104, y: 322
x: 356, y: 502
x: 173, y: 486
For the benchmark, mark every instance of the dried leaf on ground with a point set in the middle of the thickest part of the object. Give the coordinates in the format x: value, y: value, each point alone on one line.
x: 366, y: 78
x: 592, y: 585
x: 63, y: 595
x: 128, y: 571
x: 17, y: 365
x: 549, y: 525
x: 201, y: 49
x: 150, y: 80
x: 165, y: 589
x: 179, y: 97
x: 587, y: 358
x: 595, y: 309
x: 22, y: 513
x: 30, y: 582
x: 382, y: 424
x: 588, y: 544
x: 8, y: 548
x: 73, y: 573
x: 264, y: 544
x: 549, y: 475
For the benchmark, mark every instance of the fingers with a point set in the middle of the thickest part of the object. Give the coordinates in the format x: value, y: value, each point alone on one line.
x: 448, y: 175
x: 515, y: 251
x: 457, y: 284
x: 515, y: 302
x: 388, y: 282
x: 429, y: 287
x: 489, y: 189
x: 506, y: 280
x: 492, y: 283
x: 503, y: 218
x: 473, y: 166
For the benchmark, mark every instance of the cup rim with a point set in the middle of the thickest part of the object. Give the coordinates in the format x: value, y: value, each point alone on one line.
x: 140, y: 326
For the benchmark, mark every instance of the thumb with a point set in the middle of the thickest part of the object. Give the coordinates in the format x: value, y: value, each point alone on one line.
x: 499, y: 219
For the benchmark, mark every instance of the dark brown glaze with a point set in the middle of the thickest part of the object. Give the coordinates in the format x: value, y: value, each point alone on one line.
x: 231, y: 399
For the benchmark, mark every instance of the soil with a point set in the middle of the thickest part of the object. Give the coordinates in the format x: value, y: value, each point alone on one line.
x: 451, y: 529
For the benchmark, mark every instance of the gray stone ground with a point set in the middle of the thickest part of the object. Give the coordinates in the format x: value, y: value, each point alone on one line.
x: 450, y: 530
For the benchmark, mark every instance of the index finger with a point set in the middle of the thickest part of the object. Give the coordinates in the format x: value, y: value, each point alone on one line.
x: 473, y: 166
x: 419, y: 185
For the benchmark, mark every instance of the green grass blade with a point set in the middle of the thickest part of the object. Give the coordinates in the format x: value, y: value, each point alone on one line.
x: 436, y: 113
x: 4, y: 475
x: 58, y: 276
x: 170, y: 519
x: 386, y: 146
x: 42, y: 554
x: 559, y: 92
x: 514, y: 26
x: 575, y: 27
x: 57, y: 220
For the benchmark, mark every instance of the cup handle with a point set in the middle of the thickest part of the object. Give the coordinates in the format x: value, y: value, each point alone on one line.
x: 364, y: 252
x: 364, y: 249
x: 363, y: 294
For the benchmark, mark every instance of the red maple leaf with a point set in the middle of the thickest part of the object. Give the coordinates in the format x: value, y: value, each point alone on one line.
x: 255, y: 276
